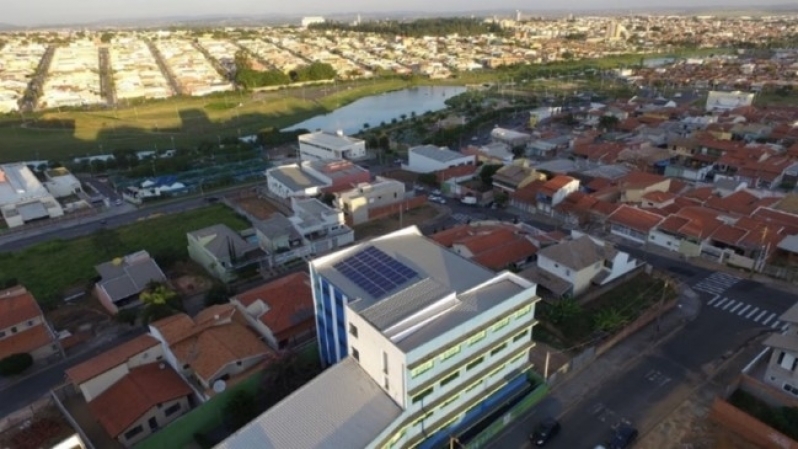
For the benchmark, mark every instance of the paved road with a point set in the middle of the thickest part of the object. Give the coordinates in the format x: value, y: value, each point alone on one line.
x: 653, y: 385
x: 39, y: 384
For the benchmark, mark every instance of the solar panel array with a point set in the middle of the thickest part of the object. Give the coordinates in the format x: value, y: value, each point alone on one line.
x: 374, y: 271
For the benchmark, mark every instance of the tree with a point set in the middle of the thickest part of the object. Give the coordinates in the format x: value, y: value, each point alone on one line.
x: 241, y: 409
x: 106, y: 37
x: 159, y: 302
x: 366, y: 125
x: 608, y: 121
x: 15, y: 364
x: 487, y: 172
x: 218, y: 294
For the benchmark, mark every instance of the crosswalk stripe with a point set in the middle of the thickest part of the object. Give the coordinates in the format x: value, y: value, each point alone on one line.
x: 728, y: 304
x: 772, y: 315
x: 756, y: 309
x: 786, y: 325
x: 739, y: 304
x: 713, y: 300
x: 742, y: 311
x: 721, y: 302
x: 775, y: 324
x: 759, y: 317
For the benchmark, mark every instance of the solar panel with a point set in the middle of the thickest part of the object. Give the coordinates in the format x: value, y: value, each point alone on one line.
x: 374, y: 271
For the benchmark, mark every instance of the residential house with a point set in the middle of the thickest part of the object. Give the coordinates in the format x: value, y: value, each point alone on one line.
x: 515, y: 176
x: 278, y: 238
x: 633, y: 223
x: 322, y: 227
x: 355, y: 203
x: 782, y: 370
x: 554, y: 191
x: 572, y: 266
x: 509, y: 137
x: 686, y: 231
x: 130, y: 391
x: 123, y: 278
x: 280, y: 311
x: 636, y: 184
x: 430, y: 158
x: 495, y: 246
x: 525, y: 199
x: 492, y: 153
x: 312, y: 178
x: 212, y: 350
x: 416, y: 335
x: 322, y: 145
x: 222, y: 252
x: 23, y: 328
x: 726, y: 101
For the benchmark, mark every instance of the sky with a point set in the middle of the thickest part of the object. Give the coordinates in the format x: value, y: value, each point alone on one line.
x: 36, y: 12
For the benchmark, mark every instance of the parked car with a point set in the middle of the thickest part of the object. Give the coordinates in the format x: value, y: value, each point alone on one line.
x: 623, y: 435
x: 545, y: 431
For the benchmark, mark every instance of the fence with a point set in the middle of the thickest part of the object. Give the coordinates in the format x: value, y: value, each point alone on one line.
x: 749, y: 427
x: 24, y: 414
x: 392, y: 209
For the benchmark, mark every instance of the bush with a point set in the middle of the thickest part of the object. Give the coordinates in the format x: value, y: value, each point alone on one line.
x: 127, y: 316
x: 15, y: 364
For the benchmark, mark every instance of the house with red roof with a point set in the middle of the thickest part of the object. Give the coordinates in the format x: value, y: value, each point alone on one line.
x: 686, y: 230
x: 495, y: 246
x: 635, y: 184
x: 633, y: 223
x: 554, y: 191
x: 23, y: 328
x: 281, y: 311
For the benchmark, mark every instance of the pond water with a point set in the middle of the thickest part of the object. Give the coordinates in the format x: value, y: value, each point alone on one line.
x: 381, y: 108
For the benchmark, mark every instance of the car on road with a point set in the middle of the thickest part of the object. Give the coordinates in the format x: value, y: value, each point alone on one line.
x: 118, y: 202
x: 623, y: 436
x: 545, y: 431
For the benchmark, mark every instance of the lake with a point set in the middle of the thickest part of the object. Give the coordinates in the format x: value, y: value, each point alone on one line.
x: 652, y: 63
x: 381, y: 108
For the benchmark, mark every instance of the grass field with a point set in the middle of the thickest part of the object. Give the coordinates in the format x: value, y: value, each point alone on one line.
x: 47, y: 269
x: 179, y: 122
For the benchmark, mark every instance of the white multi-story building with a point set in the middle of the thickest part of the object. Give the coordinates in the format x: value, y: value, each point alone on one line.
x: 321, y: 145
x: 422, y: 343
x: 430, y: 158
x: 23, y: 197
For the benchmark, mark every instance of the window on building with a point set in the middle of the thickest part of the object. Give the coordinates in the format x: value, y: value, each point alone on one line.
x: 353, y: 330
x: 477, y: 337
x: 520, y: 335
x: 500, y: 324
x: 2, y: 334
x: 172, y: 409
x: 474, y: 363
x: 498, y: 349
x: 423, y: 368
x: 420, y: 396
x: 523, y: 311
x: 448, y: 401
x: 451, y: 352
x: 355, y: 354
x: 30, y: 323
x: 386, y: 384
x: 133, y: 432
x: 451, y: 377
x: 384, y: 362
x: 791, y: 389
x: 473, y: 386
x: 14, y: 330
x: 517, y: 357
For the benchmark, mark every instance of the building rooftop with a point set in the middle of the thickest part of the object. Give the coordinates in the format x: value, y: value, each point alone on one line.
x: 440, y: 154
x: 336, y: 169
x: 508, y: 134
x: 126, y: 276
x: 578, y: 253
x: 294, y: 177
x: 434, y: 272
x: 329, y: 140
x: 112, y: 358
x: 288, y: 301
x: 340, y: 408
x: 19, y: 184
x: 142, y: 389
x: 219, y: 239
x: 17, y: 305
x: 27, y: 340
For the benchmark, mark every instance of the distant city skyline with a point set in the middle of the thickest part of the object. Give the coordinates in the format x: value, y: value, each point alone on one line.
x: 43, y: 12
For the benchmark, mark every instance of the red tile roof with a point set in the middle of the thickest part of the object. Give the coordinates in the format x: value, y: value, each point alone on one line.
x: 659, y: 197
x: 144, y: 388
x: 112, y: 358
x: 17, y: 306
x: 556, y: 183
x: 528, y: 194
x: 700, y: 194
x: 639, y: 179
x: 634, y: 218
x: 289, y: 300
x: 25, y: 341
x: 493, y: 246
x: 728, y: 234
x: 456, y: 172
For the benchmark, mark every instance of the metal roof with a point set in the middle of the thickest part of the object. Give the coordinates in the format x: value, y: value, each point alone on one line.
x: 341, y: 408
x: 329, y: 140
x: 440, y: 154
x: 294, y: 178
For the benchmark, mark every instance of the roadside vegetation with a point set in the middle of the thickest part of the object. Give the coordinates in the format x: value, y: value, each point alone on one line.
x: 51, y: 268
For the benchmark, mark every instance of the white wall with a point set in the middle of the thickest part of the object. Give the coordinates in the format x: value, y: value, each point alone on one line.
x: 664, y: 240
x: 568, y: 189
x: 281, y: 190
x: 422, y: 164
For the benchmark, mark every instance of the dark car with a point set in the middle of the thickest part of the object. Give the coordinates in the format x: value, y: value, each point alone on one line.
x: 211, y: 199
x: 545, y: 431
x: 623, y: 435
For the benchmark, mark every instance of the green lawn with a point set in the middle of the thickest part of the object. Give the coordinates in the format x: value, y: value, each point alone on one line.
x: 49, y: 268
x: 180, y: 121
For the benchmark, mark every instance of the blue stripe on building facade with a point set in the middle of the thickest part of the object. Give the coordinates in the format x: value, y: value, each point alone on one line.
x: 331, y: 322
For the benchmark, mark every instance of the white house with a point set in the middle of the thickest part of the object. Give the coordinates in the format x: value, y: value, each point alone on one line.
x: 322, y: 145
x: 726, y: 101
x: 429, y: 158
x: 554, y: 191
x: 310, y: 178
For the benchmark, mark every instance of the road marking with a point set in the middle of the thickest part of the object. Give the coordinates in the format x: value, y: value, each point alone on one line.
x: 728, y: 304
x: 775, y: 324
x: 772, y: 315
x: 742, y: 311
x: 759, y: 317
x: 721, y: 302
x: 786, y: 325
x: 712, y: 301
x: 665, y: 382
x: 756, y: 309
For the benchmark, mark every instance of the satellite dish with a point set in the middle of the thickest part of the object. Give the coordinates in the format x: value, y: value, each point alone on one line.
x: 219, y: 386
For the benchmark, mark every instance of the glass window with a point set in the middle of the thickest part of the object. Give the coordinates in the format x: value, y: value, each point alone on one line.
x: 521, y: 312
x: 473, y: 386
x: 498, y: 349
x: 520, y: 335
x: 420, y: 397
x: 451, y: 352
x: 474, y: 363
x: 171, y: 410
x: 517, y: 357
x: 477, y: 337
x: 355, y: 354
x: 448, y: 379
x: 353, y: 330
x: 449, y: 401
x: 133, y: 432
x: 424, y: 367
x: 500, y: 324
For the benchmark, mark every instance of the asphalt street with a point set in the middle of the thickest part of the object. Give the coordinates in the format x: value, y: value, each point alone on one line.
x: 650, y: 387
x: 39, y: 384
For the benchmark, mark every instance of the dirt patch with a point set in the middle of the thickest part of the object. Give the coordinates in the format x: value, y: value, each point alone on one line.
x: 79, y: 316
x: 46, y: 429
x: 257, y: 207
x: 382, y: 226
x: 191, y: 284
